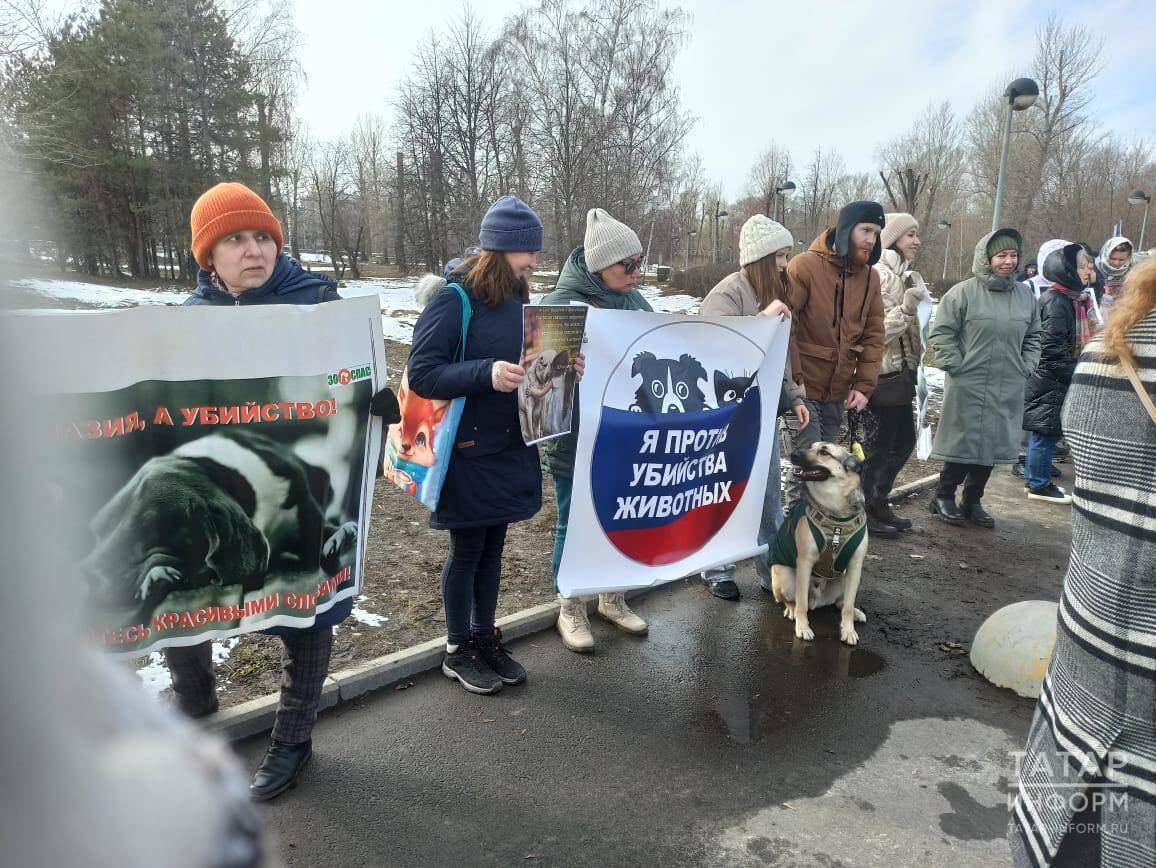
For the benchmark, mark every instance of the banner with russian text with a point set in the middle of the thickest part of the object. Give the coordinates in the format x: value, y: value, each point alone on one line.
x: 213, y: 467
x: 677, y: 420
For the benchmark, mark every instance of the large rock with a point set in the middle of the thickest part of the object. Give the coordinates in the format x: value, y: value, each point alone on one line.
x: 1012, y: 647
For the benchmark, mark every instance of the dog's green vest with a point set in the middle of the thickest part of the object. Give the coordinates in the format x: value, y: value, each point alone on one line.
x: 836, y: 538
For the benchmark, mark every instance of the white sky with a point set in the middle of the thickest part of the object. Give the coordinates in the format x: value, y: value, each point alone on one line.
x: 805, y: 73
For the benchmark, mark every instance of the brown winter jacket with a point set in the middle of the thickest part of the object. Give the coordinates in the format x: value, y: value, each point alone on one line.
x: 838, y: 353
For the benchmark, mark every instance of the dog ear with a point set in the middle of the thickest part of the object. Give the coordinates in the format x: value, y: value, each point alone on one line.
x: 693, y: 366
x: 639, y: 361
x: 237, y: 549
x: 562, y: 360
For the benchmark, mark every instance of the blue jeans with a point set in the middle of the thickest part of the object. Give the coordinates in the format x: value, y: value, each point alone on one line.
x: 1038, y: 464
x: 771, y: 521
x: 563, y: 490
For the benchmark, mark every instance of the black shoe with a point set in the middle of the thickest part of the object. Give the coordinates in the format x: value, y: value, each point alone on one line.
x: 878, y: 526
x: 1052, y: 494
x: 467, y: 666
x: 896, y: 520
x: 1018, y: 469
x: 279, y: 769
x: 976, y: 514
x: 724, y: 589
x: 197, y: 712
x: 495, y: 655
x: 947, y: 509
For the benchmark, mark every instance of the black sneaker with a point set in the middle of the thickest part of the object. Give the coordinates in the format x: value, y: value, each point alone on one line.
x: 495, y: 655
x: 1052, y: 493
x: 467, y: 666
x: 1018, y: 469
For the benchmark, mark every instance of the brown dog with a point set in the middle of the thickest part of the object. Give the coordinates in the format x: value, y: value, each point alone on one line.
x: 817, y: 557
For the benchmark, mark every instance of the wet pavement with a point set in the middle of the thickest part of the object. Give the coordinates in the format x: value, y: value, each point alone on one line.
x: 718, y: 740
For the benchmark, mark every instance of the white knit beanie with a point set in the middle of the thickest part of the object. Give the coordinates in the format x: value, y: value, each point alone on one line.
x: 761, y: 236
x: 608, y: 241
x: 896, y: 227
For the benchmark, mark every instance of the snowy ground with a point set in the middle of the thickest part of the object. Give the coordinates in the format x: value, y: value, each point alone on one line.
x: 399, y: 308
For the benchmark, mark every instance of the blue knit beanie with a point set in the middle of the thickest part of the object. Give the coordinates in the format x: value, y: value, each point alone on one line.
x: 511, y: 226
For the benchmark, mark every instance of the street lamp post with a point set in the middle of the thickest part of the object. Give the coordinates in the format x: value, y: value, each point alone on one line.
x: 788, y: 189
x: 690, y: 233
x: 1135, y: 198
x: 944, y: 224
x: 719, y: 211
x: 1020, y: 94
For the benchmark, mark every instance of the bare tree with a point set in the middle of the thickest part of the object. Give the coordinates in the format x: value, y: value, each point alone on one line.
x: 820, y: 185
x: 770, y: 171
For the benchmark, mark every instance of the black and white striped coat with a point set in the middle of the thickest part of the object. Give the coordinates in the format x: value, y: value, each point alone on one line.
x: 1098, y: 700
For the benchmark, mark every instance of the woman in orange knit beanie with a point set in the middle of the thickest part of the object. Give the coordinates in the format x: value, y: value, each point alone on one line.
x: 237, y: 243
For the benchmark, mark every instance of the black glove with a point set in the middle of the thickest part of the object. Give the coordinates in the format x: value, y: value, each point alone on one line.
x: 384, y: 404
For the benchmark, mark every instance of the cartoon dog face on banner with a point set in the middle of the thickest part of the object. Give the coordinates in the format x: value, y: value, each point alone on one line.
x: 676, y: 440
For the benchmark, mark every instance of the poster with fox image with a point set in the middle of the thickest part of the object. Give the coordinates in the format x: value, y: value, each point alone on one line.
x: 674, y: 445
x: 212, y: 468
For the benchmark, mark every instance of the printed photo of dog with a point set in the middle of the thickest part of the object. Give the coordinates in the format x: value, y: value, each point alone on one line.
x: 830, y: 475
x: 225, y: 509
x: 541, y: 396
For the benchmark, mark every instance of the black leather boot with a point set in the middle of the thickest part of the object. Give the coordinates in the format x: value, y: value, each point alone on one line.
x: 877, y: 524
x: 889, y: 515
x: 976, y: 514
x: 944, y: 506
x: 279, y: 769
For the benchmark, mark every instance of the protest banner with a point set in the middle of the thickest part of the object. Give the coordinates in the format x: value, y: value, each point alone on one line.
x: 675, y: 436
x: 213, y: 467
x: 551, y: 341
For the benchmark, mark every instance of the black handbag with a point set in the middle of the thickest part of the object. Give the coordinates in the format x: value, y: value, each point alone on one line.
x: 896, y: 389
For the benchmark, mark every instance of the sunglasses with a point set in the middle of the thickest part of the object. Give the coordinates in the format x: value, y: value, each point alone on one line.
x: 631, y: 265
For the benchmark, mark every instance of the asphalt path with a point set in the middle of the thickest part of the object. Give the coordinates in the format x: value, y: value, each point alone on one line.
x: 720, y: 739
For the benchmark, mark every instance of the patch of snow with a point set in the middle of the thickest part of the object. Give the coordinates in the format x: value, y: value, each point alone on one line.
x: 313, y: 257
x: 102, y: 296
x: 363, y: 616
x: 155, y: 677
x: 670, y: 303
x: 546, y: 273
x: 222, y: 649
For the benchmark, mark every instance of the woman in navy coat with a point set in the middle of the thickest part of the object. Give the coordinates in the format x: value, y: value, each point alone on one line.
x: 494, y: 478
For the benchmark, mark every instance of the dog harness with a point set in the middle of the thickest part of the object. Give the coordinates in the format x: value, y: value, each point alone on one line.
x: 837, y: 539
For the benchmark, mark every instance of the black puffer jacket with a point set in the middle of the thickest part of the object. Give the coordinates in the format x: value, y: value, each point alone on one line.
x: 1060, y: 347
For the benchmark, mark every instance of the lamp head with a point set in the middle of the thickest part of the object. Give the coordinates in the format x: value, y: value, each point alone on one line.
x: 1022, y: 93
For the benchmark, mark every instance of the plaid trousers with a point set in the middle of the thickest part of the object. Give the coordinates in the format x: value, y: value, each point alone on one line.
x: 304, y: 666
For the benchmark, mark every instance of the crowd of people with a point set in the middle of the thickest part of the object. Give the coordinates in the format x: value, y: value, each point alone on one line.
x: 1009, y: 342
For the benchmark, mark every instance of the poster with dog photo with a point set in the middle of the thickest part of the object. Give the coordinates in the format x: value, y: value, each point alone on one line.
x: 551, y: 341
x: 677, y: 423
x: 213, y: 467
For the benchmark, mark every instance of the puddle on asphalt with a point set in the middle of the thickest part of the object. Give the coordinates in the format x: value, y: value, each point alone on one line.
x: 787, y: 667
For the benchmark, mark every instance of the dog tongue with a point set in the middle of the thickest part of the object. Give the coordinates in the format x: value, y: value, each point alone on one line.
x: 812, y: 473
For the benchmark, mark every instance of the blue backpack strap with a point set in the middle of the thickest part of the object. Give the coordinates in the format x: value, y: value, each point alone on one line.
x: 467, y: 312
